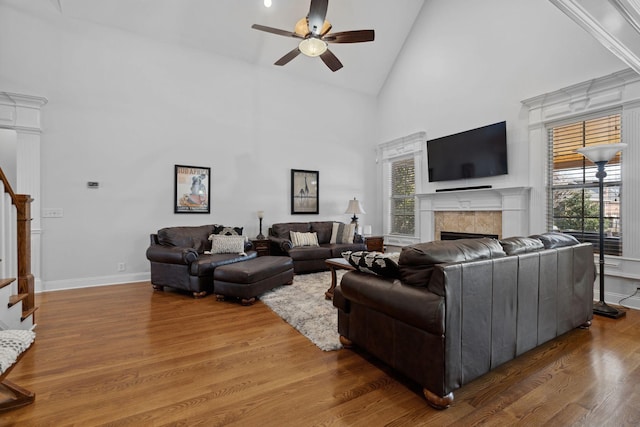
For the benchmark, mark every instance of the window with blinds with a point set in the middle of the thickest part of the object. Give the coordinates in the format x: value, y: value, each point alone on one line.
x: 573, y: 192
x: 402, y: 194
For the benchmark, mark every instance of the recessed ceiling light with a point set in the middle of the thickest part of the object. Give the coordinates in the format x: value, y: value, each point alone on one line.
x: 267, y: 3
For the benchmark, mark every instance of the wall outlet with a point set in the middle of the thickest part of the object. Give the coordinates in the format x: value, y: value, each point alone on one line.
x: 122, y: 266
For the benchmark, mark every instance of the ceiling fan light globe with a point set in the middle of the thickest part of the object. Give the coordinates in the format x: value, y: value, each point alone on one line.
x: 312, y: 47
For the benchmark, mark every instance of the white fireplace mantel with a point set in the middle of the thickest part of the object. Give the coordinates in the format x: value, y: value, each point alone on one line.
x: 513, y: 202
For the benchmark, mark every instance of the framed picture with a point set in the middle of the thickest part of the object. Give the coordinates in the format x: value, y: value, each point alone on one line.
x: 305, y: 190
x: 191, y: 191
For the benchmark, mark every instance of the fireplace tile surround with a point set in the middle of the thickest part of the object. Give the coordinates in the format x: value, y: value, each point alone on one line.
x: 481, y: 222
x: 501, y: 211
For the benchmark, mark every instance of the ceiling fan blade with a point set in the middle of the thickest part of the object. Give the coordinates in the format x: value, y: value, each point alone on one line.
x: 357, y: 36
x: 317, y: 14
x: 275, y: 31
x: 331, y: 60
x: 288, y: 57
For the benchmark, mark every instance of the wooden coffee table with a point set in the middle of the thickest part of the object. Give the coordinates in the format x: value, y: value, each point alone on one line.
x: 336, y: 264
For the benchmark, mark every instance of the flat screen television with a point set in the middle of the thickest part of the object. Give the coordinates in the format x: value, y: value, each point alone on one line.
x: 475, y: 153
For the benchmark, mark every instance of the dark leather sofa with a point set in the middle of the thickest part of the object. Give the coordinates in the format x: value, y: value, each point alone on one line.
x: 455, y: 310
x: 178, y: 260
x: 309, y: 259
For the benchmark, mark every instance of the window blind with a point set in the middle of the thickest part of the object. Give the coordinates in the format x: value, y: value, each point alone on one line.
x: 402, y: 190
x: 573, y: 191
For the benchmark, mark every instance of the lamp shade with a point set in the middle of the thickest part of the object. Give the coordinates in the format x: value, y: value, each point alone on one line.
x: 312, y: 47
x: 601, y: 152
x: 354, y: 207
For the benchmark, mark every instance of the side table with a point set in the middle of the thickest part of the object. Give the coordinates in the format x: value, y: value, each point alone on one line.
x: 261, y: 246
x: 335, y: 264
x: 374, y: 243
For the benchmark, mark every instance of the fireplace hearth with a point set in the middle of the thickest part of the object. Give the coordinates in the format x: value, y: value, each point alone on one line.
x: 455, y: 235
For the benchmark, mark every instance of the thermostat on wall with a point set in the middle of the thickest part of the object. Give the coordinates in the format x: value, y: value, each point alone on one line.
x: 93, y: 184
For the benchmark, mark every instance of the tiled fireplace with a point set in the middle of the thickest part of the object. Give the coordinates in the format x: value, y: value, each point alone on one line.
x: 477, y: 222
x: 503, y: 212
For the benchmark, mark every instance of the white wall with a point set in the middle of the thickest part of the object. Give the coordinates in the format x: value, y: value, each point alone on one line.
x: 123, y: 110
x: 462, y: 68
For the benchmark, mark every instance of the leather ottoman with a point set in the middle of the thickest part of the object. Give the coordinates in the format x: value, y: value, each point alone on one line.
x: 246, y: 280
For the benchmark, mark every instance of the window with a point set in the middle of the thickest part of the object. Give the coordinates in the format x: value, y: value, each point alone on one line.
x: 402, y: 196
x: 573, y: 187
x: 400, y: 174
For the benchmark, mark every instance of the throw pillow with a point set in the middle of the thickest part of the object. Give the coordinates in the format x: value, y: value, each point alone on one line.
x: 342, y: 233
x: 303, y: 239
x: 227, y: 231
x: 554, y: 239
x: 221, y: 244
x: 12, y: 343
x: 374, y: 262
x: 520, y: 245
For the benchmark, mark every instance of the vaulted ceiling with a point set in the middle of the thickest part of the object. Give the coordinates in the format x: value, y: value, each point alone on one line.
x: 614, y: 23
x: 223, y: 27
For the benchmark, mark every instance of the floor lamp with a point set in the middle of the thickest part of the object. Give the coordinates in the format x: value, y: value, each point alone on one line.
x: 600, y: 155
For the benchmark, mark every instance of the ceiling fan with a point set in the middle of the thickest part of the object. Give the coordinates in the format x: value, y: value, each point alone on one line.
x: 314, y: 32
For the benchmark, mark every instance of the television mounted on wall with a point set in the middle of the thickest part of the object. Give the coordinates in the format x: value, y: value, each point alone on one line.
x: 475, y: 153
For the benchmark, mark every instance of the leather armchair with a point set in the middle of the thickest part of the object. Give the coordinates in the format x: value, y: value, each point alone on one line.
x: 178, y: 259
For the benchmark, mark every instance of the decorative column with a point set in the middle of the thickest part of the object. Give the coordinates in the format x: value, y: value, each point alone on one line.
x: 22, y: 114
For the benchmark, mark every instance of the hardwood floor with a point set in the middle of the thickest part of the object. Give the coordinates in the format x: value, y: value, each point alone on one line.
x: 127, y: 355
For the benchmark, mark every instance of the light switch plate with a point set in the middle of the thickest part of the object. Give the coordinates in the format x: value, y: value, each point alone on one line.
x: 52, y: 213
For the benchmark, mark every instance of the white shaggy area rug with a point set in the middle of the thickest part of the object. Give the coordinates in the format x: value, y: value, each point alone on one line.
x: 304, y: 307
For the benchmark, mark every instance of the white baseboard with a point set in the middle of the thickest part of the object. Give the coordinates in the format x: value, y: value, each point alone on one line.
x: 614, y: 299
x: 88, y: 282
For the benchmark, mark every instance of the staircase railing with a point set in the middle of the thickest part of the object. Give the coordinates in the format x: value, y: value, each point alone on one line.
x: 19, y: 248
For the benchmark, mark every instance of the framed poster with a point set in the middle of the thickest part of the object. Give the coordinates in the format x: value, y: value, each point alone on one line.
x: 305, y: 190
x: 191, y: 191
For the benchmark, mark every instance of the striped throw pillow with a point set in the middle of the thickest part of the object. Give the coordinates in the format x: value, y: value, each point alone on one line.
x: 342, y: 233
x: 303, y: 239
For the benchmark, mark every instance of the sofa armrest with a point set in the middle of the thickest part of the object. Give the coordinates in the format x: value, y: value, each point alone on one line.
x: 412, y: 305
x: 171, y: 254
x: 280, y: 244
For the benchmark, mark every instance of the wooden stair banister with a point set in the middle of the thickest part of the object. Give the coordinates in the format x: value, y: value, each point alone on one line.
x: 26, y: 289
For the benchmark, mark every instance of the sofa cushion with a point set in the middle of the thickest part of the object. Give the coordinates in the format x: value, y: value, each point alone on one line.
x: 553, y: 239
x: 227, y: 231
x: 521, y: 245
x: 323, y: 228
x: 206, y: 264
x: 417, y: 261
x: 342, y: 233
x: 282, y: 229
x: 303, y: 253
x: 227, y: 244
x: 303, y: 239
x: 186, y: 237
x: 374, y: 262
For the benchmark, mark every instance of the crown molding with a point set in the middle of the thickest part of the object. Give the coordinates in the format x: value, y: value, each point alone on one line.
x: 613, y: 23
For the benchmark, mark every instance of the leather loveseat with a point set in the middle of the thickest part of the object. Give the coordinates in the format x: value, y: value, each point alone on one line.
x: 178, y: 258
x: 454, y: 310
x: 308, y: 259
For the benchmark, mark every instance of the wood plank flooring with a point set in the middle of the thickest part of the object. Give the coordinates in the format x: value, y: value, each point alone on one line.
x: 126, y: 355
